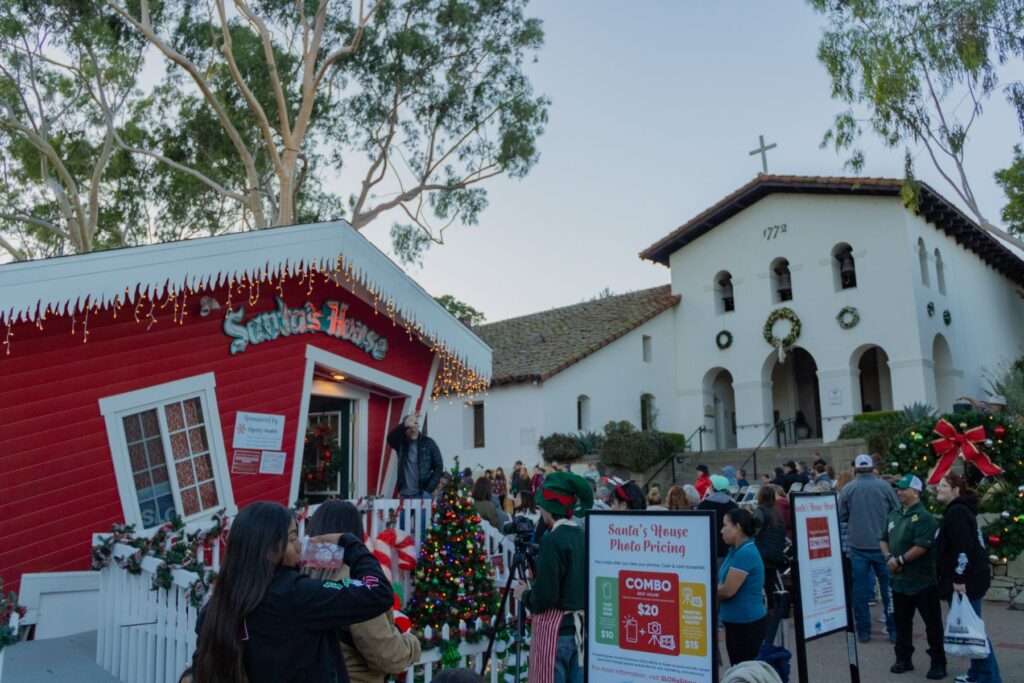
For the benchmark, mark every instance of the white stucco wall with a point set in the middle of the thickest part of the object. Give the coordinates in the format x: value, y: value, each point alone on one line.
x: 512, y: 425
x: 987, y: 328
x: 988, y: 319
x: 516, y: 416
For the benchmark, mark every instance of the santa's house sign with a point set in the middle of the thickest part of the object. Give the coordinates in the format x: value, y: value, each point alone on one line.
x: 330, y: 319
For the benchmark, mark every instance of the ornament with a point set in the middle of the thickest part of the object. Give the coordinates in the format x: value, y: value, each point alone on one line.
x: 1005, y: 514
x: 918, y: 436
x: 963, y: 425
x: 903, y: 446
x: 995, y: 540
x: 1000, y: 431
x: 993, y: 558
x: 988, y: 442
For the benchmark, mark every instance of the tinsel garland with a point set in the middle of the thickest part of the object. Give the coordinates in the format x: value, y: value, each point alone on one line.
x: 182, y: 553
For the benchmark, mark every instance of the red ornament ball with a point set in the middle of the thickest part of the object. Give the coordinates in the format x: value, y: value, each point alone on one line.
x: 1000, y: 431
x: 995, y: 541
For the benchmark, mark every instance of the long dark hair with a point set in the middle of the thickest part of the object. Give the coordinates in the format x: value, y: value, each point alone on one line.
x: 967, y: 492
x: 482, y: 489
x: 259, y: 532
x: 334, y: 517
x: 527, y: 502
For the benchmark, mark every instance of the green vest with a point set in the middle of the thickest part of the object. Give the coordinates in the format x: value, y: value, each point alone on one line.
x: 905, y: 528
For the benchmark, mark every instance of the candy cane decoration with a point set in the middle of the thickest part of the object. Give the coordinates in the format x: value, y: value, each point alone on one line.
x: 395, y: 550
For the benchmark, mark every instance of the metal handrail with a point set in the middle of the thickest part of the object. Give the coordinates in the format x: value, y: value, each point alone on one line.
x: 672, y: 458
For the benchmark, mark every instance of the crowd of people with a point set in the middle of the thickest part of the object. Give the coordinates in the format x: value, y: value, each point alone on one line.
x: 268, y: 621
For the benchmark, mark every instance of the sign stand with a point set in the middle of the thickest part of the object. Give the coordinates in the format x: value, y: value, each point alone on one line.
x: 824, y: 541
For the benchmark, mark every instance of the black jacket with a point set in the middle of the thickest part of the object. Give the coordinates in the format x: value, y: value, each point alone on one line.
x: 960, y: 552
x: 431, y: 464
x: 292, y: 635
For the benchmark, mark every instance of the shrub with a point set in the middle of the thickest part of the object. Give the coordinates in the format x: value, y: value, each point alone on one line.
x: 678, y: 441
x: 916, y: 412
x: 560, y: 447
x: 590, y: 442
x: 634, y: 450
x: 878, y: 429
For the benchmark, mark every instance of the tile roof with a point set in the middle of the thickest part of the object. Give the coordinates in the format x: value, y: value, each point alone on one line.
x: 537, y: 346
x: 934, y: 208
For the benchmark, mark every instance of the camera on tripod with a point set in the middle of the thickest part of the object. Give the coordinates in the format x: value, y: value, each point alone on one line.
x: 522, y: 529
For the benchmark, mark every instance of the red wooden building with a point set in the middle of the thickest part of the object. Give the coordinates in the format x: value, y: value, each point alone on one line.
x: 181, y: 378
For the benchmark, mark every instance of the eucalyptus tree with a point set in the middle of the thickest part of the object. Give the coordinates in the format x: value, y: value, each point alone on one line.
x: 266, y: 103
x: 923, y: 71
x: 64, y: 186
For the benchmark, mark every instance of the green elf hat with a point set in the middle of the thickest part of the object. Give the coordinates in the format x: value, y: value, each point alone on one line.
x: 565, y: 494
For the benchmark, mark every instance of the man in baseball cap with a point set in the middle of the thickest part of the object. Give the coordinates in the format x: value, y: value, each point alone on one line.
x: 864, y: 504
x: 908, y: 541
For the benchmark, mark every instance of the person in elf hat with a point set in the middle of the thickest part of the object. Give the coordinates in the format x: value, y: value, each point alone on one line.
x: 557, y: 598
x: 907, y: 542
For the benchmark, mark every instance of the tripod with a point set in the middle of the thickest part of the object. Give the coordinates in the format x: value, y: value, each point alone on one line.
x: 521, y: 561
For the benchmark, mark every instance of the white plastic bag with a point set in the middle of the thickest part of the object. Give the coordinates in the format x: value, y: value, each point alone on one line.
x: 965, y: 631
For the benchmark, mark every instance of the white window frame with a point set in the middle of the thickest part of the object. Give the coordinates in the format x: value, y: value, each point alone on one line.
x: 115, y: 408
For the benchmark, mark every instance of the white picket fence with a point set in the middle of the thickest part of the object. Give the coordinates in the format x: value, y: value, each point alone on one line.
x: 148, y: 636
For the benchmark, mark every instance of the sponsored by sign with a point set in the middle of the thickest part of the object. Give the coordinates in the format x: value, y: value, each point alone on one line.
x: 650, y: 597
x: 331, y: 319
x: 258, y: 431
x: 816, y: 533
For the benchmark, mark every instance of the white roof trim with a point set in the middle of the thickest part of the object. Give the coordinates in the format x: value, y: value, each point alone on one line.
x: 69, y: 284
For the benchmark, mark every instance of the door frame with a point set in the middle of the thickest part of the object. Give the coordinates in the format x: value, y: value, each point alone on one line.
x: 353, y: 370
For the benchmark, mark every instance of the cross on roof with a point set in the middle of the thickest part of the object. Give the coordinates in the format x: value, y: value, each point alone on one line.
x: 762, y: 151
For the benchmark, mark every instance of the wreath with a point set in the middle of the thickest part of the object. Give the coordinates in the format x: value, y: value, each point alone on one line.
x: 723, y: 340
x: 320, y: 461
x: 947, y: 317
x: 848, y: 317
x: 778, y: 314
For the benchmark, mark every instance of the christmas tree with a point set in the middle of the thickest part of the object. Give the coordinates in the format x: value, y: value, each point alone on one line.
x: 999, y: 439
x: 453, y: 580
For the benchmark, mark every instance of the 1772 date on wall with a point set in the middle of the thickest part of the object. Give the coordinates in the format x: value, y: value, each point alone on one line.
x: 773, y: 231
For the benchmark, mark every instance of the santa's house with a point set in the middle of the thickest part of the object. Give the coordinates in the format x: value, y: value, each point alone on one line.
x: 180, y: 379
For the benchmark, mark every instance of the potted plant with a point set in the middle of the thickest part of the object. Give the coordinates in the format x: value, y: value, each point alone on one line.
x: 803, y: 430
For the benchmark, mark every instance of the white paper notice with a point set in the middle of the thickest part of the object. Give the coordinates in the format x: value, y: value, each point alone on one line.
x: 272, y: 462
x: 258, y: 431
x: 820, y: 561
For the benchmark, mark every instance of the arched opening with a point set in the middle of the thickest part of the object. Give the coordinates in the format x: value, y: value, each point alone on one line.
x: 844, y: 269
x: 720, y: 407
x: 922, y: 259
x: 945, y: 375
x: 648, y: 413
x: 724, y: 302
x: 782, y: 281
x: 940, y: 275
x: 583, y: 412
x: 795, y: 399
x: 872, y: 362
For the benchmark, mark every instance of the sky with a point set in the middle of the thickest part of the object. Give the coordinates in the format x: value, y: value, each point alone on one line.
x: 655, y: 106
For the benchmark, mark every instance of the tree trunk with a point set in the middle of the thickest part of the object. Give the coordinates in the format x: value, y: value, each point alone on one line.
x: 286, y: 188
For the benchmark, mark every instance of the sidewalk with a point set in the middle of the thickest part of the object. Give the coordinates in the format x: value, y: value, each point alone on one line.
x: 828, y: 661
x: 72, y: 658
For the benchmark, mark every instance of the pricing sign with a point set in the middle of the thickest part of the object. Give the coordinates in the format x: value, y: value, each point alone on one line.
x: 651, y: 587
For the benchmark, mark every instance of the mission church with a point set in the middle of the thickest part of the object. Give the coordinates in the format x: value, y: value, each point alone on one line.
x: 794, y: 304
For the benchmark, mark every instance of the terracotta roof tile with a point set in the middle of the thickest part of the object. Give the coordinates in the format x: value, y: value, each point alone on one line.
x: 934, y: 208
x: 539, y: 345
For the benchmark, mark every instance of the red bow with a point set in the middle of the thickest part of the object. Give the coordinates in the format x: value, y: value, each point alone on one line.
x: 952, y: 443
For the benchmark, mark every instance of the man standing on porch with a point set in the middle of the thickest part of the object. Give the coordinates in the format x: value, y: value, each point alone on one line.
x: 420, y: 465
